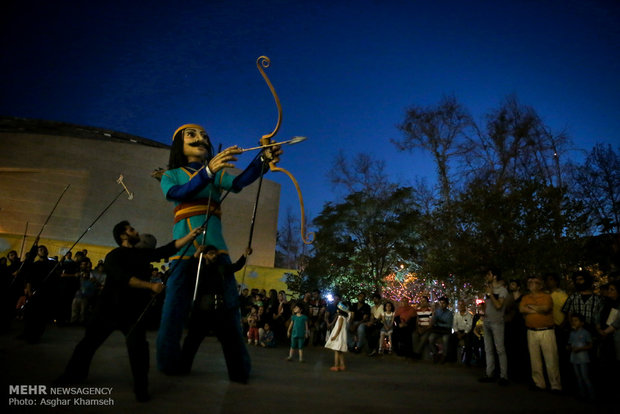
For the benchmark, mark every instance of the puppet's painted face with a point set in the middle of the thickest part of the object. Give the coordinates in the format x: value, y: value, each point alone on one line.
x: 195, y: 144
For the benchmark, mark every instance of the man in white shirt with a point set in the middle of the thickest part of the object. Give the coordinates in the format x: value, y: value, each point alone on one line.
x: 461, y: 325
x: 495, y: 297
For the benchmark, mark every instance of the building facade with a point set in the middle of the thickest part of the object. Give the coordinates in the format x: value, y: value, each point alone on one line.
x: 41, y: 158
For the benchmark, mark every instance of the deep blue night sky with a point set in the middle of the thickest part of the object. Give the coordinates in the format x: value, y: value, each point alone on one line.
x: 345, y: 71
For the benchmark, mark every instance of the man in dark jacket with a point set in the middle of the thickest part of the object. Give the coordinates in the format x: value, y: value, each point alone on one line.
x: 126, y: 293
x: 41, y: 280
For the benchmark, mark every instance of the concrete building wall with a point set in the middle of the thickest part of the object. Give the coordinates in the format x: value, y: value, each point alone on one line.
x: 35, y: 167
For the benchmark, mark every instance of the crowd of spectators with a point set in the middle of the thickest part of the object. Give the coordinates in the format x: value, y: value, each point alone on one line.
x: 70, y: 286
x: 519, y: 331
x: 566, y: 341
x: 66, y: 289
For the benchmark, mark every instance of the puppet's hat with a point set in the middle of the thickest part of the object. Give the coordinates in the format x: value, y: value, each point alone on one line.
x: 185, y: 126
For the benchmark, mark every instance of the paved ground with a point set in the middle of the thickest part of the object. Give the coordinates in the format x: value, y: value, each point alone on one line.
x: 387, y: 384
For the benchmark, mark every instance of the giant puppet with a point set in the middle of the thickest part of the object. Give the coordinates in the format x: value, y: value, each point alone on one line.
x: 196, y: 182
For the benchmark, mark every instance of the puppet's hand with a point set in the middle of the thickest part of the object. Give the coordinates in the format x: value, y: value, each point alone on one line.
x: 272, y: 154
x: 224, y: 159
x: 158, y: 173
x: 200, y: 249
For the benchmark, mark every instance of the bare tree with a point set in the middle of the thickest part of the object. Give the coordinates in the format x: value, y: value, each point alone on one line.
x: 292, y: 253
x: 597, y: 185
x: 363, y: 173
x: 516, y: 144
x: 438, y: 129
x: 501, y: 190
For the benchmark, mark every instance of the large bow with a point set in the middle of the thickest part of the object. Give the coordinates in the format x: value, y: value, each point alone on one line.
x: 264, y: 62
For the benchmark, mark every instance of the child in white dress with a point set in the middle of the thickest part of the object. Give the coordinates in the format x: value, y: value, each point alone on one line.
x: 337, y: 339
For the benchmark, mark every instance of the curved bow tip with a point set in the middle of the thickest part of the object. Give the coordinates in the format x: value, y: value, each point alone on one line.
x: 308, y: 238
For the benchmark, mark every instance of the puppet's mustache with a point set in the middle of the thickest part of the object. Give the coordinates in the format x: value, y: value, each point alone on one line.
x: 200, y: 143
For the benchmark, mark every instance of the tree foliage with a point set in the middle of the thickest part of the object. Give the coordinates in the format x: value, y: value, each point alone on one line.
x: 520, y: 229
x: 505, y: 197
x: 510, y: 208
x: 363, y: 238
